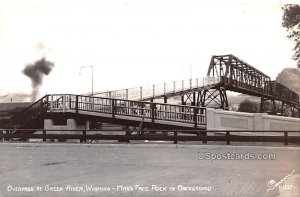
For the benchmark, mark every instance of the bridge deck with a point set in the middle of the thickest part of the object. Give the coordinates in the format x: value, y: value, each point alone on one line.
x: 119, y: 109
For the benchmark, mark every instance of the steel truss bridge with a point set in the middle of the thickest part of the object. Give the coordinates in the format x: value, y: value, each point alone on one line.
x: 225, y: 72
x: 132, y: 106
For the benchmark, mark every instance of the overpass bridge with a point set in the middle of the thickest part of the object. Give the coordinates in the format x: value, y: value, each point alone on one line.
x: 118, y: 111
x: 132, y: 106
x: 225, y: 72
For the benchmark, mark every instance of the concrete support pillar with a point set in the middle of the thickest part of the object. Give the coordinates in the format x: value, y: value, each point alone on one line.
x: 48, y: 123
x: 210, y: 119
x: 258, y: 122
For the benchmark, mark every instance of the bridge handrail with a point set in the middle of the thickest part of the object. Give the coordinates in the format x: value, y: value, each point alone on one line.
x: 27, y: 112
x: 146, y: 109
x: 158, y: 90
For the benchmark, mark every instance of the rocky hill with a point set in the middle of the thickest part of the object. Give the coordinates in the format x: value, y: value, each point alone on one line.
x: 290, y: 77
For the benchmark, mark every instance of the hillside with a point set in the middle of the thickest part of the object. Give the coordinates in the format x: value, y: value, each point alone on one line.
x: 16, y: 97
x: 290, y: 77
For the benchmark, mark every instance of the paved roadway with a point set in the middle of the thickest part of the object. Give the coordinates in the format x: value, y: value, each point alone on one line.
x: 146, y: 170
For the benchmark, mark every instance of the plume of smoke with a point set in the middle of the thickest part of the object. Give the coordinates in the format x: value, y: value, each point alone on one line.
x: 36, y: 72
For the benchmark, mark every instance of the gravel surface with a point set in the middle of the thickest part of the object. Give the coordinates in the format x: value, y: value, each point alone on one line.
x: 66, y: 169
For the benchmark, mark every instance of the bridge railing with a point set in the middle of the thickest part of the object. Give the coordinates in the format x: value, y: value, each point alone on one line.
x: 160, y: 111
x: 159, y: 90
x: 31, y: 112
x: 143, y: 109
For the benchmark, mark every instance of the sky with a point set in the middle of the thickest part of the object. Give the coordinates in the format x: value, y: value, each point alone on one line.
x: 134, y: 42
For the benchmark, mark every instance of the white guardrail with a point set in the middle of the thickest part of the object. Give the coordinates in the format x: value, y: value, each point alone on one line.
x: 156, y: 90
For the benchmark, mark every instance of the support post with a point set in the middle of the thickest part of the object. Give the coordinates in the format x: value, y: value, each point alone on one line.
x: 51, y: 103
x: 113, y: 108
x: 1, y: 133
x: 175, y: 137
x: 127, y: 134
x: 64, y: 103
x: 141, y: 93
x: 165, y: 99
x: 194, y: 99
x: 70, y: 102
x: 195, y: 117
x: 223, y: 98
x: 76, y: 104
x: 204, y: 135
x: 153, y: 88
x: 182, y: 103
x: 174, y: 89
x: 126, y: 96
x: 44, y: 135
x: 84, y: 136
x: 87, y: 125
x: 153, y: 106
x: 285, y: 138
x: 7, y: 134
x: 274, y: 106
x: 227, y: 137
x: 261, y: 106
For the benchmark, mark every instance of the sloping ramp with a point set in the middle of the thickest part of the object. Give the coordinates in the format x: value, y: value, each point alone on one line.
x: 115, y: 110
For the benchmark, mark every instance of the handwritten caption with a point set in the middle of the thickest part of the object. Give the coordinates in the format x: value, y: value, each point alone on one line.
x: 117, y: 188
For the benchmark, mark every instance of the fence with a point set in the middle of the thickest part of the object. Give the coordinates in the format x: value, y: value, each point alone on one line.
x: 167, y: 135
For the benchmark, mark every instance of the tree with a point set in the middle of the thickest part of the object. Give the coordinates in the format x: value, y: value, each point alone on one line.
x: 291, y: 21
x: 248, y: 106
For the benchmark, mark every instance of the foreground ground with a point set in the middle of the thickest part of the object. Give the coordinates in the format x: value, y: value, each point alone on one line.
x: 147, y: 170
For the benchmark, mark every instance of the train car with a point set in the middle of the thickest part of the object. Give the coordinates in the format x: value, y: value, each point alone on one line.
x: 294, y: 96
x: 267, y: 87
x: 280, y: 91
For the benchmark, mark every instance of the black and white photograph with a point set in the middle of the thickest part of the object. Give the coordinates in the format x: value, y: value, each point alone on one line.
x: 149, y: 98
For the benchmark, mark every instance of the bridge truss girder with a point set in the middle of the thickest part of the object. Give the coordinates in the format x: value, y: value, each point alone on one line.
x: 279, y: 108
x: 216, y: 98
x: 233, y: 69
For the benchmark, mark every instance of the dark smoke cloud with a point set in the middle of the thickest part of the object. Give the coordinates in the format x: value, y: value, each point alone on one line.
x: 36, y: 72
